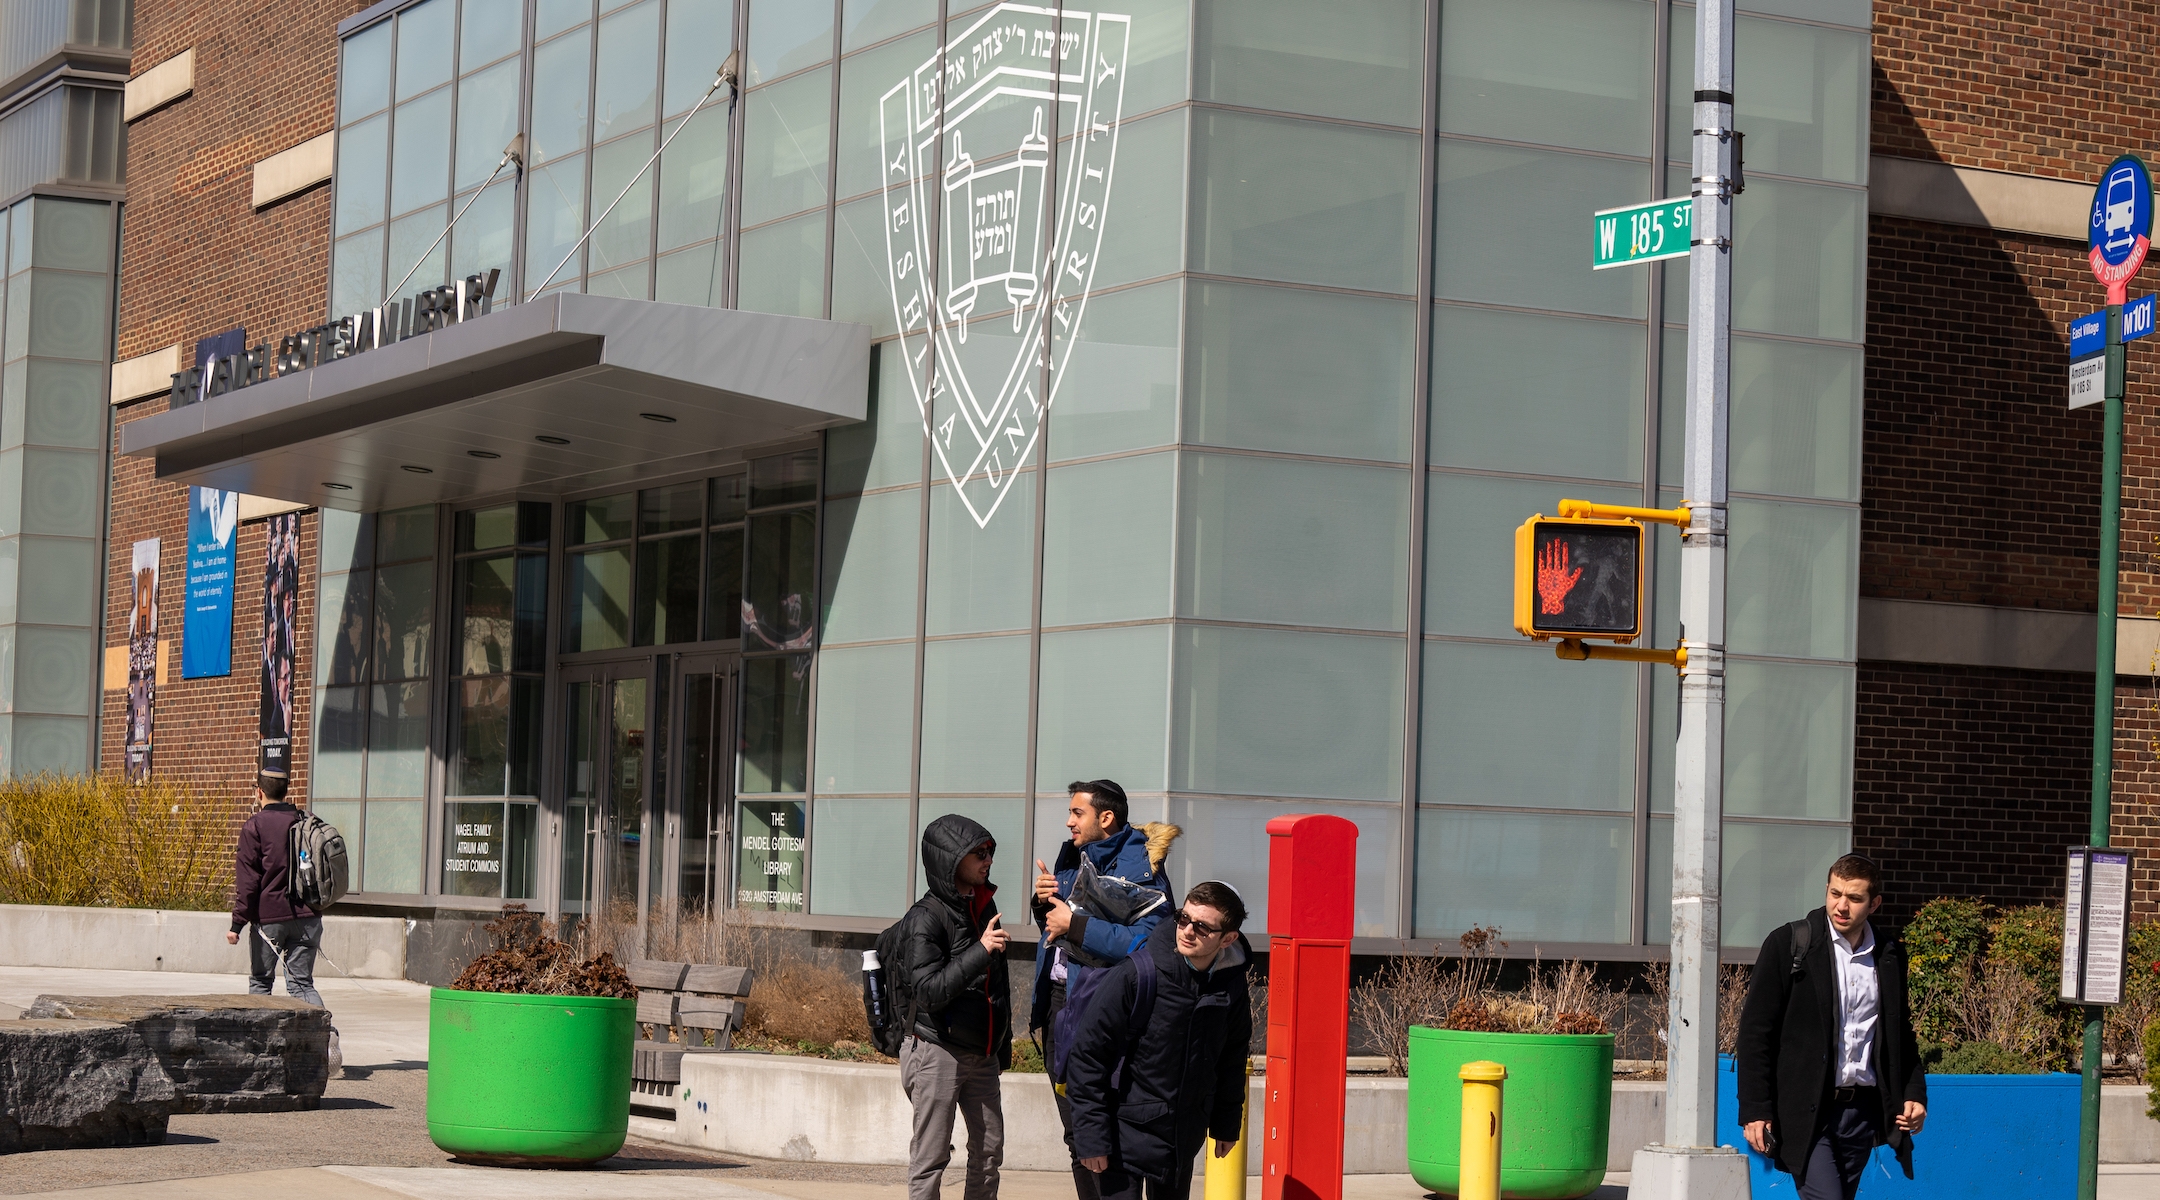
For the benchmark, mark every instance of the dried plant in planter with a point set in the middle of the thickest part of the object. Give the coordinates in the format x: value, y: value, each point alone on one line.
x: 528, y: 959
x: 1567, y: 999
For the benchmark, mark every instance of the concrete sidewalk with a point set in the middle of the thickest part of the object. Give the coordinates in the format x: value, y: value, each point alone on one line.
x: 470, y: 1183
x: 369, y: 1141
x: 382, y: 1023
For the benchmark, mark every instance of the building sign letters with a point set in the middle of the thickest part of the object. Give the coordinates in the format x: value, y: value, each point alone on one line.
x: 429, y: 310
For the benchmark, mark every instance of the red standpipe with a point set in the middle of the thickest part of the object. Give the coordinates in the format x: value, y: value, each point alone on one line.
x: 1312, y: 895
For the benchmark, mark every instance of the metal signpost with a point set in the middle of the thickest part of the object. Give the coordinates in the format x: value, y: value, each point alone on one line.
x: 2120, y: 234
x: 1688, y: 1164
x: 2088, y: 359
x: 2096, y: 924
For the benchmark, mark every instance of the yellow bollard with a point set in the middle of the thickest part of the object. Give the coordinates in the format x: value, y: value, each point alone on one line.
x: 1479, y: 1177
x: 1226, y: 1175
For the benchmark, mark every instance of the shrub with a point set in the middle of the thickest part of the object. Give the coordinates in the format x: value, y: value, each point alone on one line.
x: 797, y: 1004
x: 1985, y: 1058
x: 98, y: 841
x: 1943, y: 944
x: 2029, y: 941
x: 2152, y: 1055
x: 2123, y: 1033
x: 1983, y: 988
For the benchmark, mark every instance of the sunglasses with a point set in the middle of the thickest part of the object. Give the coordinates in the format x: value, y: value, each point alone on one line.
x: 1200, y: 927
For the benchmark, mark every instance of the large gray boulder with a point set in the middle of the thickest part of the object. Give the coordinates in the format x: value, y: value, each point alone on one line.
x: 222, y: 1053
x: 66, y: 1084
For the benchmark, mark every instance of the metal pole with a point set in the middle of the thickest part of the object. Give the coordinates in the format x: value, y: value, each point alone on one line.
x: 2103, y: 744
x: 1687, y: 1164
x: 1698, y: 784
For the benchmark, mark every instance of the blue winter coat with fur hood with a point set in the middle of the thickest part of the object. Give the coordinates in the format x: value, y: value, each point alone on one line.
x: 1134, y: 853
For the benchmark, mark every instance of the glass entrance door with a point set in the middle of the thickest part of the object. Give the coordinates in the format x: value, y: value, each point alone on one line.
x: 605, y: 817
x: 647, y: 792
x: 698, y: 824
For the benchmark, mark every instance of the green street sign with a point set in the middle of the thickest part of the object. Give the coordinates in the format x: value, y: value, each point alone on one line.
x: 1643, y: 233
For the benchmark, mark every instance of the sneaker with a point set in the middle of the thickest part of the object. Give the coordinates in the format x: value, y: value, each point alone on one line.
x: 337, y: 1056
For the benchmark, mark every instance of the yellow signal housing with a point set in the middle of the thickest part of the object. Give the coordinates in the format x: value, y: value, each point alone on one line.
x: 1579, y: 577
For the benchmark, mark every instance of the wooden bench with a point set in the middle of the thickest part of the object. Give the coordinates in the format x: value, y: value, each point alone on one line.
x: 681, y: 1003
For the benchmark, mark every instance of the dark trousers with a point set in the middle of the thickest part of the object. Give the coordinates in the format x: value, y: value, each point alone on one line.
x: 1116, y: 1183
x: 1085, y: 1182
x: 1850, y: 1134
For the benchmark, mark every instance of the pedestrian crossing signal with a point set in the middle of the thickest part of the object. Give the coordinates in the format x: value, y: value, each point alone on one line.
x: 1579, y: 578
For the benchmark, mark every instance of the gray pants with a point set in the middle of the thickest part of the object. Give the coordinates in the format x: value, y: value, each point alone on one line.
x: 294, y: 941
x: 938, y: 1081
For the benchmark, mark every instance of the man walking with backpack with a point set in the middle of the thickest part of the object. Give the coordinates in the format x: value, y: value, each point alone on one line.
x: 1828, y: 1065
x: 1157, y: 1064
x: 1079, y: 934
x: 282, y: 927
x: 954, y: 1000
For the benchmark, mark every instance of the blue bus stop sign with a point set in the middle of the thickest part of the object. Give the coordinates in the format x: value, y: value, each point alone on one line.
x: 2121, y: 230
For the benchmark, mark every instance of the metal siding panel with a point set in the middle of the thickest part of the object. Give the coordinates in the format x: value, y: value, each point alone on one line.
x: 33, y: 143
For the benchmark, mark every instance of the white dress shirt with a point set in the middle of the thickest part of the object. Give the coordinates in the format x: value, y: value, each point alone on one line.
x: 1859, y: 1003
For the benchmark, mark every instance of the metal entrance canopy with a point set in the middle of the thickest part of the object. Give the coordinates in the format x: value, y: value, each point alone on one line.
x: 555, y: 395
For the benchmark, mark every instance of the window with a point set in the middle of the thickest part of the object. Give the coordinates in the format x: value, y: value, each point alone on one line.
x: 431, y: 98
x: 501, y: 627
x: 657, y: 567
x: 779, y: 614
x: 375, y: 641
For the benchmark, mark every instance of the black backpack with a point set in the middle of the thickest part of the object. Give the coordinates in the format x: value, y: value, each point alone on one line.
x: 888, y: 1001
x: 1803, y: 938
x: 316, y: 872
x: 1065, y: 1023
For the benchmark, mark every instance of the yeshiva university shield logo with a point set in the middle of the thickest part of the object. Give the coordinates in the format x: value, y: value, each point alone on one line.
x: 974, y: 141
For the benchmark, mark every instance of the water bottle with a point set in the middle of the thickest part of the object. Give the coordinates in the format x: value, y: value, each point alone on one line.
x: 873, y: 990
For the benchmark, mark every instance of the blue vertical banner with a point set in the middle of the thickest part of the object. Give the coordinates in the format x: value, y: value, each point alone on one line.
x: 206, y: 626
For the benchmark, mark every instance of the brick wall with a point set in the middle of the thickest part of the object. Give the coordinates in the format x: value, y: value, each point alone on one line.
x: 1969, y: 781
x: 2040, y: 87
x: 197, y: 260
x: 205, y: 731
x: 1979, y: 486
x: 264, y: 82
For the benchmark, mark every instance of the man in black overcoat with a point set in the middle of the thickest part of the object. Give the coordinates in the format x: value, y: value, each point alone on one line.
x: 1829, y: 1067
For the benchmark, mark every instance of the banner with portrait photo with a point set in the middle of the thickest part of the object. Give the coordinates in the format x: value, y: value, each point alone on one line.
x: 281, y: 611
x: 142, y: 656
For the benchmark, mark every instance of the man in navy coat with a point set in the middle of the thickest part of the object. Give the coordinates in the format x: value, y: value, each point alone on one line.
x: 1074, y: 938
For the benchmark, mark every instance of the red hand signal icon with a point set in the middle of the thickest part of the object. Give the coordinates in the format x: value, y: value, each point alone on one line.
x: 1554, y: 580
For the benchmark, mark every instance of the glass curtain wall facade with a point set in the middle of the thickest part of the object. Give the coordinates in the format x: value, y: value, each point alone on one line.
x: 1240, y: 441
x: 55, y: 346
x: 61, y: 132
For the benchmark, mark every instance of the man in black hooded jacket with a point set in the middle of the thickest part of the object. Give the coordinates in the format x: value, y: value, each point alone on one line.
x: 957, y: 995
x: 1183, y: 1078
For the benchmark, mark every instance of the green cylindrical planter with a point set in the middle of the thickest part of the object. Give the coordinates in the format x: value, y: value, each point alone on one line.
x: 529, y: 1080
x: 1555, y: 1109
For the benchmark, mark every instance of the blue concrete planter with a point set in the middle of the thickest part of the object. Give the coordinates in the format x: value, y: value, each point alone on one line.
x: 1987, y: 1136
